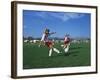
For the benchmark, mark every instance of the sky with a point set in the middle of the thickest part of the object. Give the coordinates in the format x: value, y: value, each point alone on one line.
x: 73, y: 23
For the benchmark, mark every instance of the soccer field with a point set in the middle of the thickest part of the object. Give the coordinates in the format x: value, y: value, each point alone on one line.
x: 37, y: 57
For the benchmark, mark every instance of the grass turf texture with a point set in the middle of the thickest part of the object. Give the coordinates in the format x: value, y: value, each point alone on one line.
x: 35, y: 57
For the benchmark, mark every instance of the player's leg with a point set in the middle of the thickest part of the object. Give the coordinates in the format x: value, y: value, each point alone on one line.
x: 55, y: 49
x: 50, y: 48
x: 50, y: 51
x: 67, y: 48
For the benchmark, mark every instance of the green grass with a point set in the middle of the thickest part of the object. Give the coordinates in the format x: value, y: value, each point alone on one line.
x: 35, y: 57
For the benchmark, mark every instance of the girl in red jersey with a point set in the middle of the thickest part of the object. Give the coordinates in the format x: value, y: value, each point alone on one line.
x: 66, y: 43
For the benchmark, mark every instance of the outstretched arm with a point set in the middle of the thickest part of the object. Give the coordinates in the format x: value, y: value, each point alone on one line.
x: 52, y: 33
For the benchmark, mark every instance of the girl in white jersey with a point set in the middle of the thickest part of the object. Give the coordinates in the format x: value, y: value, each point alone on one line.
x: 48, y: 42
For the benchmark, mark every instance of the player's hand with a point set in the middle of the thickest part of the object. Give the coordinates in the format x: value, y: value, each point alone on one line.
x: 53, y: 33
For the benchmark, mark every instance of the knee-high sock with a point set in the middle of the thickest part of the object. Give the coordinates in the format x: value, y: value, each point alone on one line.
x: 50, y: 52
x: 66, y: 49
x: 56, y: 50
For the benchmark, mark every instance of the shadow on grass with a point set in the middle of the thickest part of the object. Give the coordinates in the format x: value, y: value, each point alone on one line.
x: 74, y: 53
x: 74, y: 48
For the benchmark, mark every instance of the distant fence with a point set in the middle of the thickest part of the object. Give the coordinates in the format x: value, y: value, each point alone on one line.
x: 58, y: 41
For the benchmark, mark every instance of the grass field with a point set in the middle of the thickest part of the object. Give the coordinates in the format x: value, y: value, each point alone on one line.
x: 35, y: 57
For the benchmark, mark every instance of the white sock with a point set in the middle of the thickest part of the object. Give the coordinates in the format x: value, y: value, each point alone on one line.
x: 56, y: 50
x: 50, y: 52
x: 39, y: 46
x: 66, y: 49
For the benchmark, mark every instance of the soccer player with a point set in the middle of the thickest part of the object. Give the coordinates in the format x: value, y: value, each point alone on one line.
x: 42, y: 41
x: 48, y: 42
x: 66, y: 43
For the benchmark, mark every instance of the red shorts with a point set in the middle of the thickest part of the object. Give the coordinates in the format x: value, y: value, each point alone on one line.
x: 49, y: 43
x: 66, y: 42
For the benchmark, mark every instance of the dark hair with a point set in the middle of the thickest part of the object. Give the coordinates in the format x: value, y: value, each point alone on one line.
x: 47, y: 30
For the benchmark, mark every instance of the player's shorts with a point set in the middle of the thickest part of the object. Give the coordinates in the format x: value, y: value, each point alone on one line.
x: 66, y: 42
x: 49, y: 43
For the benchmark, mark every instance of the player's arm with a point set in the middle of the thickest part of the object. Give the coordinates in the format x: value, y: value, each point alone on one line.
x: 52, y: 33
